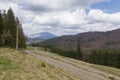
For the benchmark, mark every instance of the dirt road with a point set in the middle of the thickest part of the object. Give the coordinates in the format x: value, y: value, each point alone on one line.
x: 83, y: 71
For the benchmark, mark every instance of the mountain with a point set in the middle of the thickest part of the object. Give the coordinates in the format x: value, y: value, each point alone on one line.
x: 43, y: 35
x: 89, y: 40
x: 40, y: 37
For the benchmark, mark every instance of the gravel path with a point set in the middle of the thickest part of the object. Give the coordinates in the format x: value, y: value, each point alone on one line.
x: 80, y: 70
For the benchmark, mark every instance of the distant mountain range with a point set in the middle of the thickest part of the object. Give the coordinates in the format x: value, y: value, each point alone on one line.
x: 89, y: 40
x: 40, y: 37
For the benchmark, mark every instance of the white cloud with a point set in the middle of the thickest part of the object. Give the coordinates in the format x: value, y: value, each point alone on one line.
x: 98, y: 15
x: 41, y: 5
x: 78, y: 21
x: 61, y: 17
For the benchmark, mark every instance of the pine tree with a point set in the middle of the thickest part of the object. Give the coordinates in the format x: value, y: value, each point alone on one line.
x: 22, y: 39
x: 118, y: 60
x: 4, y: 16
x: 10, y: 29
x: 21, y: 36
x: 79, y: 53
x: 1, y: 30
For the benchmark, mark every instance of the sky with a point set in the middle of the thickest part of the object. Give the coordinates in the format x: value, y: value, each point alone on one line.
x: 65, y: 17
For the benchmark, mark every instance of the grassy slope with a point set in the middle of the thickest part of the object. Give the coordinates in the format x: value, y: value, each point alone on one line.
x: 15, y: 65
x: 107, y: 69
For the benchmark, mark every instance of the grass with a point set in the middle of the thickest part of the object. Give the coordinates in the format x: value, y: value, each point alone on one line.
x: 16, y: 65
x: 111, y: 70
x: 107, y: 69
x: 34, y: 48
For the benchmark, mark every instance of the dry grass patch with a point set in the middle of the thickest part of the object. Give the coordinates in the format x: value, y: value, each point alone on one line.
x: 15, y: 65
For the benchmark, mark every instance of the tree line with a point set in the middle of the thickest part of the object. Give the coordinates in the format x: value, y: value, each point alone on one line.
x: 77, y: 53
x: 9, y: 24
x: 107, y: 57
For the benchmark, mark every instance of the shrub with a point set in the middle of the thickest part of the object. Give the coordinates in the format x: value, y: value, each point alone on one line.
x: 43, y: 64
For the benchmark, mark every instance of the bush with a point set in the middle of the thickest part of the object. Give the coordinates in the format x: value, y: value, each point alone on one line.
x: 43, y: 64
x: 111, y: 78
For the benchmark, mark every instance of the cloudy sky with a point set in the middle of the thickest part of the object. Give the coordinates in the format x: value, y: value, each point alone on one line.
x: 65, y: 17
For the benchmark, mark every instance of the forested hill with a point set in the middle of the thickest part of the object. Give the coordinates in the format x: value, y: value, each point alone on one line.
x: 89, y: 40
x: 9, y: 26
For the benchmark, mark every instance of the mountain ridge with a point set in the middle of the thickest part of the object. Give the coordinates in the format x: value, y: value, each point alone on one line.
x: 90, y: 40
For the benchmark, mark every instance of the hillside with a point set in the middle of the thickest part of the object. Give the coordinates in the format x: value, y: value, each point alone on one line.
x: 83, y: 70
x: 89, y: 40
x: 35, y: 64
x: 16, y: 65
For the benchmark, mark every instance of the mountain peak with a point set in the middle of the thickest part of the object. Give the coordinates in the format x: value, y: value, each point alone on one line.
x: 34, y: 38
x: 46, y: 35
x: 43, y: 35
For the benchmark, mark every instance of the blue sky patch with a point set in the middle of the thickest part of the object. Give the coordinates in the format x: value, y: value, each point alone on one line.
x: 111, y: 6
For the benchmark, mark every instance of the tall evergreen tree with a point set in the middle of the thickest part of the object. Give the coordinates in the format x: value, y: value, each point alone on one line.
x: 4, y: 15
x: 22, y: 39
x: 21, y: 36
x: 10, y: 29
x: 1, y: 30
x: 79, y: 53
